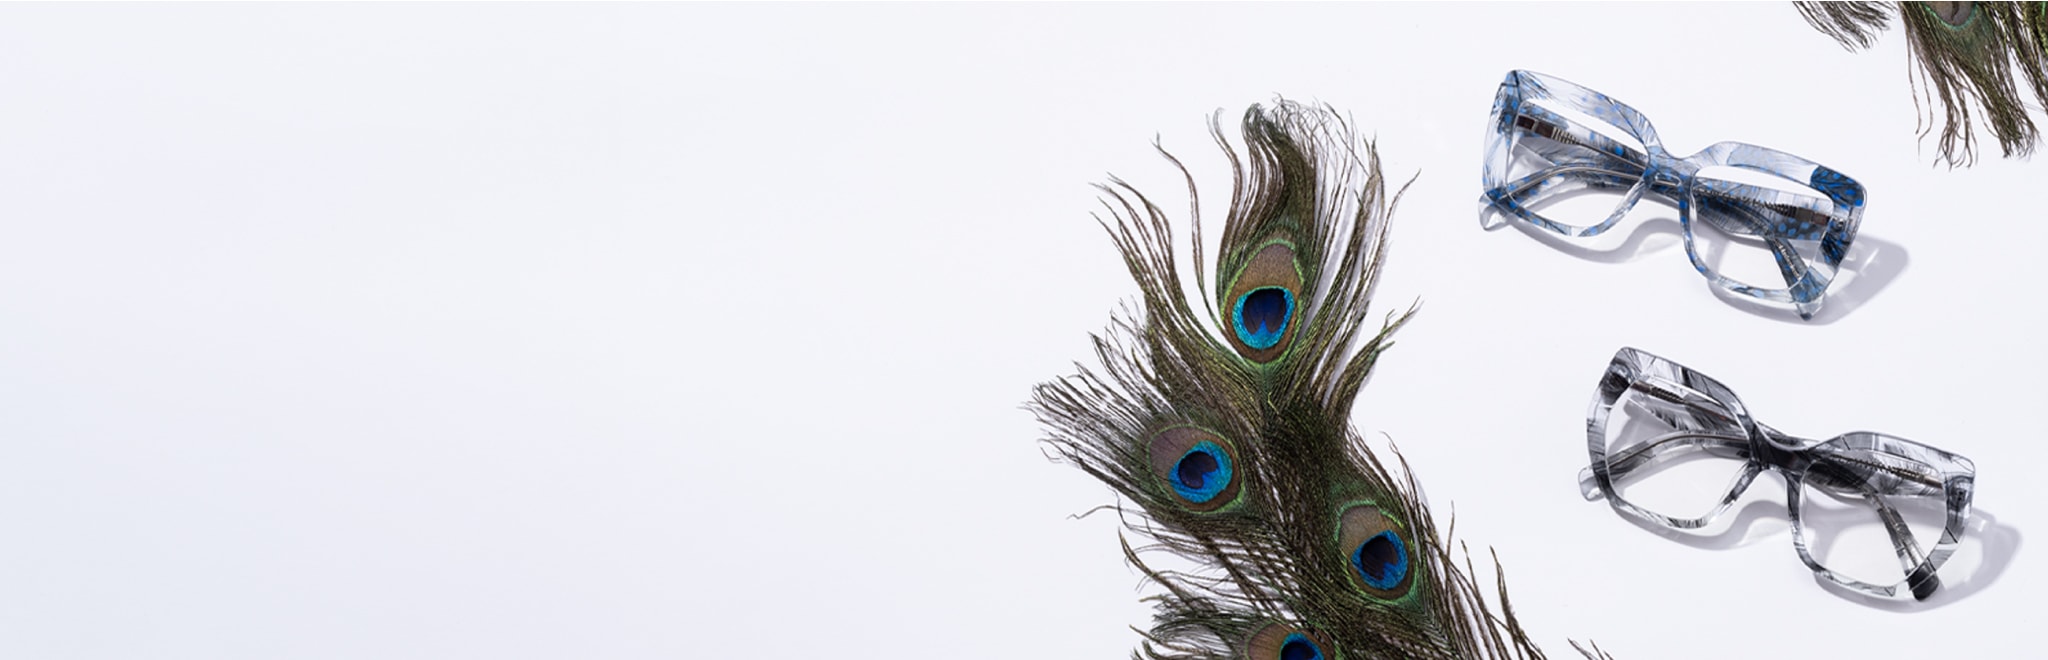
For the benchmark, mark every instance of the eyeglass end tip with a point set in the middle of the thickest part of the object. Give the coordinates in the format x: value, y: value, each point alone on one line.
x: 1924, y: 583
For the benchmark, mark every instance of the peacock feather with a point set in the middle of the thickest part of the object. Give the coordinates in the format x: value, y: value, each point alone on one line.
x: 1229, y: 426
x: 1975, y: 56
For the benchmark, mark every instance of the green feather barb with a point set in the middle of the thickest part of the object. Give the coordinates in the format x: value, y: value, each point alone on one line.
x: 1972, y: 54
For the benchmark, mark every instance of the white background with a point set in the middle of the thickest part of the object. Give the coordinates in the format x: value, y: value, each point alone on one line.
x: 697, y: 331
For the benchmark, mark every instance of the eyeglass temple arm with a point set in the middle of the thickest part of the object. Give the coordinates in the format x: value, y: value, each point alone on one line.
x: 1619, y: 166
x: 1625, y: 462
x: 1920, y: 576
x: 1771, y: 213
x: 1588, y: 173
x: 1734, y: 213
x: 1660, y: 389
x: 1770, y: 210
x: 1742, y: 217
x: 1568, y: 132
x: 1621, y: 464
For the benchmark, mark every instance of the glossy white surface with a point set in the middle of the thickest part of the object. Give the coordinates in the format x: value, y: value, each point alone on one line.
x: 636, y: 331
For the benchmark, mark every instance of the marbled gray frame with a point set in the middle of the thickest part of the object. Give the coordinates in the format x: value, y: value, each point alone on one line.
x: 1709, y: 417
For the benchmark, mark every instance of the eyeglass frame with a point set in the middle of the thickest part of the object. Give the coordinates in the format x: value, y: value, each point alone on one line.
x: 1793, y: 458
x: 1770, y: 215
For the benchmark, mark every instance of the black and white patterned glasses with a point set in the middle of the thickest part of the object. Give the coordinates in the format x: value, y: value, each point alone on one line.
x: 1758, y: 222
x: 1864, y: 506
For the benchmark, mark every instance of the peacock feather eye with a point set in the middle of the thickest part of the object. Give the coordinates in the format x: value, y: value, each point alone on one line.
x: 1955, y: 14
x: 1262, y: 303
x: 1280, y: 641
x: 1381, y: 560
x: 1376, y: 551
x: 1226, y: 420
x: 1261, y: 316
x: 1202, y: 473
x: 1198, y: 466
x: 1299, y: 647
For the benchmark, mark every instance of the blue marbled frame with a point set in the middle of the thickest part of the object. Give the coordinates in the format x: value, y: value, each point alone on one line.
x: 1579, y: 156
x: 1708, y: 417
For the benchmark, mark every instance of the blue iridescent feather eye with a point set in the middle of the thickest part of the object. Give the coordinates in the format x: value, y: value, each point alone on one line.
x: 1261, y: 315
x: 1198, y: 467
x: 1202, y: 472
x: 1381, y: 560
x: 1261, y: 303
x: 1281, y: 641
x: 1299, y: 647
x: 1375, y: 551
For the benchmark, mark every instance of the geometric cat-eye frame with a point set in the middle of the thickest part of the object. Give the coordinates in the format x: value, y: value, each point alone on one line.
x: 1682, y: 416
x: 1536, y: 155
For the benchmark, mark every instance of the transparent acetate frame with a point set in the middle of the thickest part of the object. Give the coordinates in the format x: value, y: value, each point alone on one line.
x: 1536, y: 155
x: 1882, y: 479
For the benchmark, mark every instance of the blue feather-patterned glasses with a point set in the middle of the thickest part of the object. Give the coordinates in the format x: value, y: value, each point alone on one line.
x: 1862, y: 505
x: 1757, y: 222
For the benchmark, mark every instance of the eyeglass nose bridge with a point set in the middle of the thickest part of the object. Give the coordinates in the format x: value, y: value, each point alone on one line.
x: 1778, y: 452
x: 1666, y: 171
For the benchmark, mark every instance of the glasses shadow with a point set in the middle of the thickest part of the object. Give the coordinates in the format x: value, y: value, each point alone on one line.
x: 1999, y: 543
x: 1872, y: 266
x: 1742, y: 532
x: 1630, y: 248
